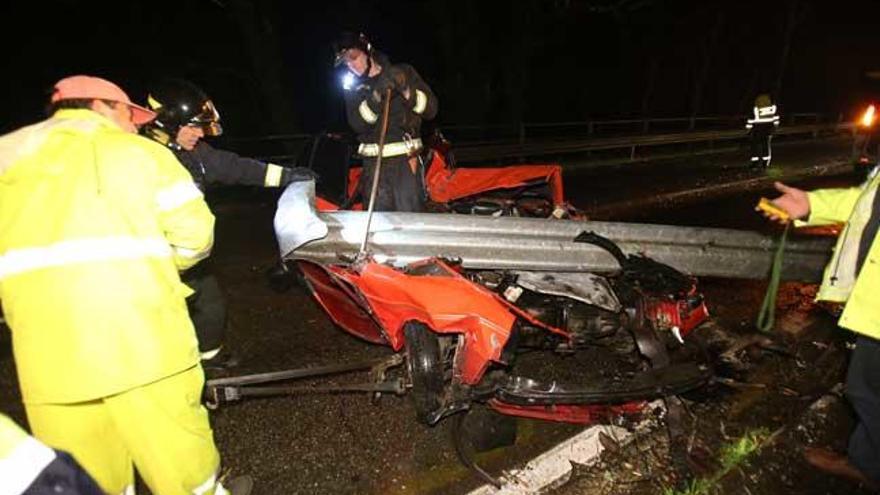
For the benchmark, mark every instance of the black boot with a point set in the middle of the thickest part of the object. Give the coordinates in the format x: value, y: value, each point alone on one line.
x: 240, y: 485
x: 224, y: 360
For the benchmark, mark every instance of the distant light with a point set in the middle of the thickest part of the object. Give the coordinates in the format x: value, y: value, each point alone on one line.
x: 347, y: 81
x: 868, y: 117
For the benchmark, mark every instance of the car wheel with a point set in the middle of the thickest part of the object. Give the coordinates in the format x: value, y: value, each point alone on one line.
x: 424, y: 364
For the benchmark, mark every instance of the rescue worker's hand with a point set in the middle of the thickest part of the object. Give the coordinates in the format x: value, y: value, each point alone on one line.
x: 794, y: 201
x: 401, y: 84
x: 297, y: 174
x: 383, y: 83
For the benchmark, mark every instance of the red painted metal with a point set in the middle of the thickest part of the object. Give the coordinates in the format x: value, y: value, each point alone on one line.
x: 440, y: 298
x: 340, y: 301
x: 446, y: 184
x: 566, y: 413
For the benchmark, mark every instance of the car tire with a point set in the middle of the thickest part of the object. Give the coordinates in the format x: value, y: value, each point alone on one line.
x: 424, y: 364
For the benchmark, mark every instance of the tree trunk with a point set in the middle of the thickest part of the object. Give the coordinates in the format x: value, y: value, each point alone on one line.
x: 791, y: 22
x: 263, y: 46
x: 706, y: 63
x: 650, y: 82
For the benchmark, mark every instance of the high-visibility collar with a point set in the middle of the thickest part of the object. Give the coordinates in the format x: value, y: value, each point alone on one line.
x: 391, y: 149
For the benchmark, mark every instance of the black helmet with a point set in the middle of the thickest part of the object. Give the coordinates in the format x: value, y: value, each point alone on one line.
x: 178, y: 103
x: 348, y: 40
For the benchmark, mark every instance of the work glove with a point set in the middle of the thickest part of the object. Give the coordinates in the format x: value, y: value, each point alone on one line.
x: 382, y: 84
x: 297, y: 174
x: 401, y: 82
x: 403, y: 87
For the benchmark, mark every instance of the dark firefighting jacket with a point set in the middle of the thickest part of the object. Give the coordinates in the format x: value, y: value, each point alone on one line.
x: 208, y: 165
x: 363, y: 104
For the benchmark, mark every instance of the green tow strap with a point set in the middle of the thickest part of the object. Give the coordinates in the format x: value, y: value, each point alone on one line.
x: 767, y: 315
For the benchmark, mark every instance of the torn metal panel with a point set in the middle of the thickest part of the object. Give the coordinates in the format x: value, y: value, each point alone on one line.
x: 586, y: 287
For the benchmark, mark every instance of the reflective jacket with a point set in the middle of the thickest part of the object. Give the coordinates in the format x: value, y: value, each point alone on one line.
x: 208, y: 165
x: 95, y: 223
x: 763, y: 116
x: 841, y: 282
x: 363, y: 105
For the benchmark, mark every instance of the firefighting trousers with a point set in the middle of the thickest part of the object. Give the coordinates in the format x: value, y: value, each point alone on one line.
x: 161, y: 429
x: 863, y: 391
x: 760, y: 137
x: 207, y: 306
x: 400, y: 188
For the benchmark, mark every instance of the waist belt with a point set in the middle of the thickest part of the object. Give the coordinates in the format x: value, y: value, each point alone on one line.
x: 391, y: 149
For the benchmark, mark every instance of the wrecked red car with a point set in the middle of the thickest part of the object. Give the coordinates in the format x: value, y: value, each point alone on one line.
x: 457, y: 333
x: 531, y: 190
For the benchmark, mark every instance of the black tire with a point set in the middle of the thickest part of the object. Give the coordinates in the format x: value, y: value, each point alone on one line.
x: 425, y: 366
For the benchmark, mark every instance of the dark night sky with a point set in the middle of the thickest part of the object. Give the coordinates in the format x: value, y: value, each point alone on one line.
x: 489, y: 62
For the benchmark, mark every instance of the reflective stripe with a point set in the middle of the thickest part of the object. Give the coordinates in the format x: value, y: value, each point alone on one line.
x: 763, y: 120
x: 421, y: 102
x: 273, y: 175
x: 177, y: 195
x: 129, y: 490
x: 210, y: 354
x: 766, y: 110
x: 764, y: 114
x: 367, y: 114
x: 390, y: 149
x: 22, y: 466
x: 208, y: 485
x: 191, y: 253
x: 80, y: 251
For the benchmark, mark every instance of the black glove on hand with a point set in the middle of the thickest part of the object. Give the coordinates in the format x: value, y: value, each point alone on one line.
x: 297, y: 174
x: 384, y: 81
x: 401, y: 83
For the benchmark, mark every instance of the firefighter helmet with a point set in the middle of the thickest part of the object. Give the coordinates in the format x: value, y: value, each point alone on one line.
x: 348, y: 40
x: 178, y: 103
x: 763, y: 100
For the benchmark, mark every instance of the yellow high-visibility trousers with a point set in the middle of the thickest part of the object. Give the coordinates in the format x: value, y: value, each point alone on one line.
x: 161, y: 429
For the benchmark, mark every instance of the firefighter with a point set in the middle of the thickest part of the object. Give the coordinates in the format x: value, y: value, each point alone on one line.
x: 852, y: 277
x: 185, y: 115
x: 95, y: 223
x: 761, y: 127
x: 370, y: 75
x: 30, y: 467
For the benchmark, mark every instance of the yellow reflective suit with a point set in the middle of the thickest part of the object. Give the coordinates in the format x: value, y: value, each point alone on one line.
x: 95, y: 223
x: 841, y: 283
